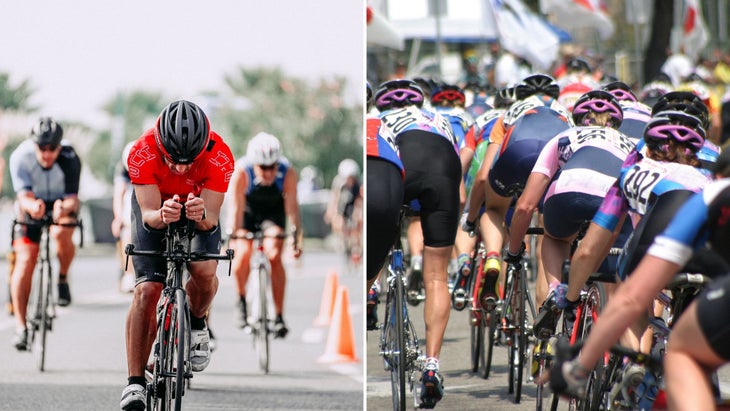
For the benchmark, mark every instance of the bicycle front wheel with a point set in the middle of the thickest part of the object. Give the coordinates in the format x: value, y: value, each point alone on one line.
x: 173, y: 340
x: 262, y: 325
x: 42, y: 316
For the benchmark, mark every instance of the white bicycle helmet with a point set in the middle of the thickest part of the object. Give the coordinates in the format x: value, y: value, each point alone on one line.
x: 348, y: 168
x: 263, y: 149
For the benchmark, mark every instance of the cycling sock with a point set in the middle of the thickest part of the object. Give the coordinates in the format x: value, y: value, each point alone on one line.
x: 243, y: 300
x: 493, y: 254
x: 197, y: 323
x: 137, y: 380
x: 62, y: 278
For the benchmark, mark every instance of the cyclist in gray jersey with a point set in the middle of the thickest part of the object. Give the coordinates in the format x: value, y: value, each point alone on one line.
x: 45, y: 173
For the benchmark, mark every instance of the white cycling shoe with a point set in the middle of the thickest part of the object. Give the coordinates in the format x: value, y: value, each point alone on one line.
x: 200, y: 350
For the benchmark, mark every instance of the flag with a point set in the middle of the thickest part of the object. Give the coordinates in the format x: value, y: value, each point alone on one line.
x: 524, y: 34
x: 576, y: 14
x: 381, y: 32
x: 694, y: 30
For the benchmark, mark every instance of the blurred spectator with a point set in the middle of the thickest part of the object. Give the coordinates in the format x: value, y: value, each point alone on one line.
x: 722, y: 69
x: 677, y: 66
x: 472, y: 73
x: 309, y: 182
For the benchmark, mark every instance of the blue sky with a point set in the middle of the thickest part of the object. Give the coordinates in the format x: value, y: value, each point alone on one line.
x: 78, y: 53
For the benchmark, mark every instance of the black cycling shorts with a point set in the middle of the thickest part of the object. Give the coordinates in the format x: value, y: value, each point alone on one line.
x: 560, y: 224
x: 508, y: 174
x: 433, y: 175
x: 713, y: 304
x: 146, y: 238
x: 384, y: 199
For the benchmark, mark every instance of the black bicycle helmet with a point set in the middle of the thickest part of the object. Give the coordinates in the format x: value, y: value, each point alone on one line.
x: 537, y: 83
x: 685, y: 101
x: 182, y: 131
x: 398, y: 93
x: 598, y: 101
x: 620, y: 90
x: 578, y: 64
x: 47, y: 131
x: 504, y: 97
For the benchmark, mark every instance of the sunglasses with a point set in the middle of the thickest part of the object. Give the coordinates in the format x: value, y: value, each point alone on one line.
x: 47, y: 147
x: 268, y: 168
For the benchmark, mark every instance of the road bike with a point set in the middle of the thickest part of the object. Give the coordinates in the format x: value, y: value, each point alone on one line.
x: 41, y: 304
x: 612, y: 392
x: 262, y: 314
x: 398, y: 340
x: 171, y: 367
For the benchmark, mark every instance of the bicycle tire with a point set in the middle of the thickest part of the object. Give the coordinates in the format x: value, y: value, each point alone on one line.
x: 477, y: 342
x: 596, y: 299
x: 45, y: 296
x: 262, y: 324
x: 542, y: 395
x: 491, y: 340
x: 507, y: 326
x: 520, y: 342
x: 181, y: 345
x: 398, y: 347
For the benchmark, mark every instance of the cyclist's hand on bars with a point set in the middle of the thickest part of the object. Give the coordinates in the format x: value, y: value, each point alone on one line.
x: 194, y: 208
x: 515, y: 258
x: 36, y: 209
x: 171, y: 209
x: 469, y: 226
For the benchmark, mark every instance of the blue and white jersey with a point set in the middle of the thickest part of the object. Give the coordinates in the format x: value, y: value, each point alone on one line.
x: 702, y: 219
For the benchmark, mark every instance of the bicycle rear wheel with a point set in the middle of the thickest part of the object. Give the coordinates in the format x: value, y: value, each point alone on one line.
x: 262, y: 325
x: 519, y: 342
x: 396, y: 344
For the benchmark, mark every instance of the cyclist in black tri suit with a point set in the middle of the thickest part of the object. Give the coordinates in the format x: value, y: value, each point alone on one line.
x: 263, y: 190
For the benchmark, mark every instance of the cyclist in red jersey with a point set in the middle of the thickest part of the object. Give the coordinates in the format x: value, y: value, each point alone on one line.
x: 179, y: 160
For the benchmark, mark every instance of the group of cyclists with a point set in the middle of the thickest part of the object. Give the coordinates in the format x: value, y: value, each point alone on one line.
x: 179, y: 169
x: 577, y: 156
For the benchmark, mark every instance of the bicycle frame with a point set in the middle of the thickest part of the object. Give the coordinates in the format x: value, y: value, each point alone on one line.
x: 41, y: 304
x: 398, y: 341
x: 171, y: 350
x: 262, y: 313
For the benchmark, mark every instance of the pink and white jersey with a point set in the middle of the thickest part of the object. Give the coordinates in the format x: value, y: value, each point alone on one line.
x: 588, y: 160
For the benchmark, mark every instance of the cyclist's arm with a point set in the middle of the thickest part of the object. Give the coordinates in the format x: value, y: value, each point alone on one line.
x: 536, y: 185
x: 478, y: 188
x: 291, y: 207
x: 150, y: 199
x: 212, y: 201
x: 28, y: 203
x: 237, y: 205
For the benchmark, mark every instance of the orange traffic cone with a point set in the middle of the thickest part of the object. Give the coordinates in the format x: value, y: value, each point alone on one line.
x: 341, y: 337
x: 329, y: 294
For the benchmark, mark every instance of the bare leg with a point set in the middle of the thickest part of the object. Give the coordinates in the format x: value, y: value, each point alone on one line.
x: 141, y: 325
x: 438, y: 307
x: 688, y: 364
